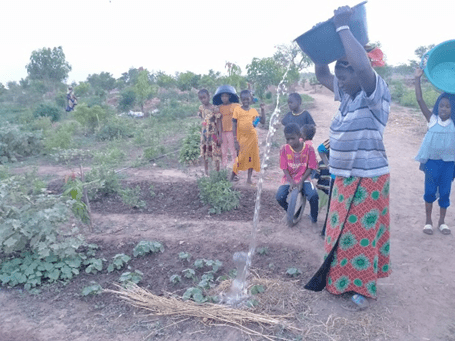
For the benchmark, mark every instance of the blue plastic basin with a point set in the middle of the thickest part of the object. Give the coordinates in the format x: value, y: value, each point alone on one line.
x: 440, y: 66
x: 323, y: 44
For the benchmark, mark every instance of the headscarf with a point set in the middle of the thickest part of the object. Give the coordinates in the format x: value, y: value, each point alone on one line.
x: 451, y: 99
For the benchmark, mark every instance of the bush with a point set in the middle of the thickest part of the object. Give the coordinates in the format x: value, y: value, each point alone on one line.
x: 62, y: 136
x: 112, y: 156
x: 115, y: 128
x: 190, y: 151
x: 89, y: 117
x: 173, y: 109
x: 109, y: 181
x: 41, y: 123
x: 217, y: 192
x: 127, y: 100
x: 46, y: 110
x: 15, y: 143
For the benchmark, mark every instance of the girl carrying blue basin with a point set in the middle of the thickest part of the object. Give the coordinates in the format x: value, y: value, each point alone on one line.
x: 437, y: 154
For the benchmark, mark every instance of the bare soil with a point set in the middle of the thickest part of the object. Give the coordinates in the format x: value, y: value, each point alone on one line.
x: 416, y: 303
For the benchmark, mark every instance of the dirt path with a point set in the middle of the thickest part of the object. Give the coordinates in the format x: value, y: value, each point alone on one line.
x: 415, y: 303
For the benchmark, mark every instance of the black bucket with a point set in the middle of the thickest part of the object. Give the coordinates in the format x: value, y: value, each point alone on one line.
x: 225, y: 89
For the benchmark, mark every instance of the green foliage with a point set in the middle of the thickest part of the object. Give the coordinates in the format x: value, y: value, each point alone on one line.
x: 263, y: 251
x: 214, y: 264
x: 62, y: 136
x: 187, y: 80
x: 82, y: 89
x: 134, y: 277
x: 257, y: 289
x: 175, y: 279
x: 48, y: 65
x: 14, y: 142
x: 118, y: 262
x: 190, y: 151
x: 103, y: 81
x: 194, y: 293
x: 93, y: 289
x: 47, y: 110
x: 293, y: 272
x: 175, y: 109
x: 189, y: 273
x: 74, y: 189
x: 143, y: 88
x: 41, y: 123
x: 145, y: 246
x: 70, y: 155
x: 112, y: 156
x: 109, y: 181
x: 264, y: 72
x: 90, y: 117
x: 152, y: 152
x: 127, y: 100
x: 185, y: 256
x: 131, y: 197
x: 115, y: 128
x: 217, y: 192
x: 94, y: 265
x: 164, y: 80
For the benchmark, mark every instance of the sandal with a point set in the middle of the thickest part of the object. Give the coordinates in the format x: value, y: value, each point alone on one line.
x: 428, y: 229
x: 444, y: 229
x: 236, y: 178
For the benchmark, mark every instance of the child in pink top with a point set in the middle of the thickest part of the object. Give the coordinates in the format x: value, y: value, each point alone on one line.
x: 297, y: 160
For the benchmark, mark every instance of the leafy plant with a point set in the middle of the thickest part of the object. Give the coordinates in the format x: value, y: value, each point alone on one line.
x: 185, y: 256
x: 145, y: 246
x: 93, y: 289
x: 93, y: 265
x: 196, y: 294
x: 14, y: 142
x: 175, y: 279
x: 190, y: 151
x: 134, y: 277
x: 257, y: 289
x: 47, y: 110
x: 119, y: 261
x: 108, y: 182
x: 293, y: 272
x: 217, y: 192
x: 131, y: 197
x: 189, y: 273
x: 90, y: 117
x: 115, y: 128
x: 263, y: 251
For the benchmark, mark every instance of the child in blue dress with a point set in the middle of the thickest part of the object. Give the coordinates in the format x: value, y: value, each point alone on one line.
x: 437, y: 154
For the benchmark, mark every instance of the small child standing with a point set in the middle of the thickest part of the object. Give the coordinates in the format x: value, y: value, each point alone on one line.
x: 437, y: 154
x: 226, y: 98
x: 297, y: 160
x: 246, y: 137
x: 211, y: 131
x: 296, y: 114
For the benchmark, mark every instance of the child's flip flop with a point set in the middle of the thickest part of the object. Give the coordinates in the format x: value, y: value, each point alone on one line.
x: 428, y: 229
x: 444, y: 229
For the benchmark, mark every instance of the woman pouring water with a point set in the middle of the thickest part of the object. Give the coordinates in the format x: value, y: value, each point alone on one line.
x: 357, y: 249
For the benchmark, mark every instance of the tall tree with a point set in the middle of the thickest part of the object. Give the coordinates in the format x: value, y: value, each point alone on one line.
x: 48, y: 65
x: 143, y: 89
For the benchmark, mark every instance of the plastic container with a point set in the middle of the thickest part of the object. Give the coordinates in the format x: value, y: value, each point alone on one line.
x: 323, y: 44
x: 225, y: 89
x: 360, y: 301
x: 439, y: 66
x: 256, y: 121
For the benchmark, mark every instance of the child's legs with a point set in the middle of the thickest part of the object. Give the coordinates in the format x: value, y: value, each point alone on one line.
x: 312, y: 196
x: 282, y: 195
x: 224, y: 149
x: 228, y: 139
x: 250, y: 174
x: 445, y: 184
x: 431, y: 180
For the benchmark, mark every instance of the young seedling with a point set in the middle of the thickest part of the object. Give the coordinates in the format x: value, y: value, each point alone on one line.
x: 145, y: 246
x: 293, y: 272
x: 93, y: 289
x: 189, y: 273
x: 175, y: 279
x: 119, y: 261
x: 185, y: 256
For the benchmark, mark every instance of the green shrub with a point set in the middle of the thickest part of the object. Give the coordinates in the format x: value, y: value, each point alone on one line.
x: 127, y: 100
x: 190, y: 151
x: 62, y: 136
x: 90, y: 117
x: 15, y: 142
x: 217, y: 192
x: 115, y: 128
x: 173, y: 109
x: 109, y: 181
x: 112, y: 156
x: 47, y: 110
x: 41, y: 123
x: 131, y: 197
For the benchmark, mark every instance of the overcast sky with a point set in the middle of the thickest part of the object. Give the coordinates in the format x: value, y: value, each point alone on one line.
x: 196, y: 35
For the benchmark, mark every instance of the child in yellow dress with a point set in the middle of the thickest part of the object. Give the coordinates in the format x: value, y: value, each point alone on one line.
x: 246, y: 137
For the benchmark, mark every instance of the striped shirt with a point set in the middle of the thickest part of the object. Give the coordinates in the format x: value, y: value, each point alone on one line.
x: 356, y: 132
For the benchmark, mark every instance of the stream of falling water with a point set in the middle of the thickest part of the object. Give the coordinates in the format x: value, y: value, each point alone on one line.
x: 242, y: 260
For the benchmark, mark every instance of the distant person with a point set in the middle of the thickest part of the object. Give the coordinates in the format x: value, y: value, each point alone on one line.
x: 437, y: 154
x: 71, y: 100
x: 227, y: 99
x: 297, y: 114
x: 211, y: 131
x: 357, y: 239
x: 298, y: 160
x: 246, y: 137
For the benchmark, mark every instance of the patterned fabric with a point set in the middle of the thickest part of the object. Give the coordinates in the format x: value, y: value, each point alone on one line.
x: 248, y: 140
x: 356, y: 132
x: 297, y: 162
x: 209, y: 137
x: 439, y: 141
x: 363, y: 251
x: 226, y: 114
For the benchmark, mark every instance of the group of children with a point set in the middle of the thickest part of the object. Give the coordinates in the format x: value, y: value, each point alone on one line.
x: 228, y: 126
